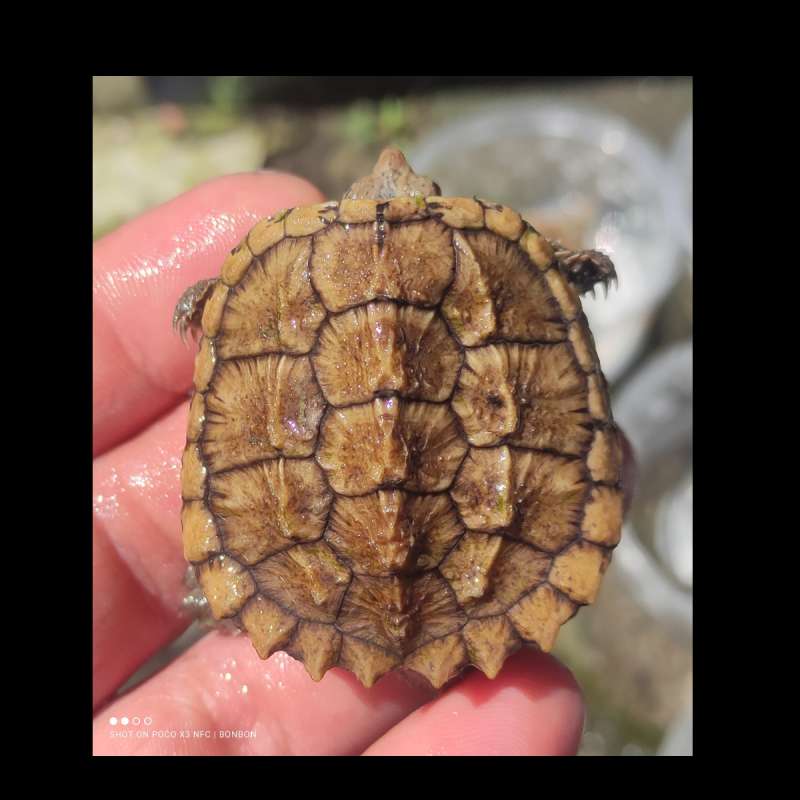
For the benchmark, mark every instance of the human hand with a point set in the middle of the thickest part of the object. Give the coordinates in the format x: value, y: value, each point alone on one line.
x: 142, y: 374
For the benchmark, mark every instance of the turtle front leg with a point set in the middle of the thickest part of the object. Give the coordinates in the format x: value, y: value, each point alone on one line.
x: 189, y: 308
x: 584, y: 269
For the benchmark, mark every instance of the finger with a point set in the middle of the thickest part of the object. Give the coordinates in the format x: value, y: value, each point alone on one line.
x: 141, y: 368
x: 138, y: 559
x: 219, y: 685
x: 533, y: 707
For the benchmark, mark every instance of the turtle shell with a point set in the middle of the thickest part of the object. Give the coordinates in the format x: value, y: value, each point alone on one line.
x: 400, y: 450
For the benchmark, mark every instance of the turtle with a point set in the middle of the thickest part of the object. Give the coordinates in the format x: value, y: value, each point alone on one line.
x: 400, y: 451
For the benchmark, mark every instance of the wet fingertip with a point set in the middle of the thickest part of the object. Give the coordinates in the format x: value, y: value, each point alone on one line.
x: 554, y: 693
x: 533, y: 707
x: 530, y: 671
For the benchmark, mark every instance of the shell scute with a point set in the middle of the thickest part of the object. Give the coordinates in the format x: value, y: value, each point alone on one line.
x: 382, y: 347
x: 261, y: 408
x: 355, y: 263
x: 274, y: 309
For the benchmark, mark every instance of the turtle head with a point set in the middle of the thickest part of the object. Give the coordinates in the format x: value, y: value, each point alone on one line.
x: 391, y: 177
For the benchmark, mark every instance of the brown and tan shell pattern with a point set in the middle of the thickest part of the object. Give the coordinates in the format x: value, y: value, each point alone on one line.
x: 400, y: 451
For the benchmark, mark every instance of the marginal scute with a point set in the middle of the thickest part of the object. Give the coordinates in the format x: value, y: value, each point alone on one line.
x: 582, y: 344
x: 605, y: 456
x: 236, y: 264
x: 439, y: 660
x: 317, y: 645
x: 261, y: 408
x: 564, y: 293
x: 204, y: 364
x: 193, y: 473
x: 197, y: 416
x: 384, y: 348
x: 308, y: 220
x: 274, y: 309
x: 598, y: 398
x: 389, y: 532
x: 504, y: 221
x: 578, y: 571
x: 405, y: 209
x: 200, y: 538
x: 226, y: 585
x: 538, y: 248
x: 269, y: 507
x: 457, y: 212
x: 366, y: 661
x: 266, y: 233
x: 602, y: 521
x: 490, y: 642
x: 357, y: 211
x: 268, y: 625
x: 308, y: 578
x: 212, y: 311
x: 538, y: 616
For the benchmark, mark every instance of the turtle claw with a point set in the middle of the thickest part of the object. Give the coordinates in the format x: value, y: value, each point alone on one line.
x: 584, y: 269
x: 189, y: 309
x: 180, y: 325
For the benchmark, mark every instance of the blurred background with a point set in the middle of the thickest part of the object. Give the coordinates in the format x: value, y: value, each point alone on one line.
x: 594, y: 162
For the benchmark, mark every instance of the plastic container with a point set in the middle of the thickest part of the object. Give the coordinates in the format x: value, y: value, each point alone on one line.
x: 681, y: 162
x: 654, y: 408
x: 587, y: 178
x: 654, y: 558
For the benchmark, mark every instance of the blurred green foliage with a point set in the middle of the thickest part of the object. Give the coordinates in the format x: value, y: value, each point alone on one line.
x: 230, y: 94
x: 368, y: 123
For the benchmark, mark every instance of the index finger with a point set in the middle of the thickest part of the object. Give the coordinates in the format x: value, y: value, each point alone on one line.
x: 140, y: 368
